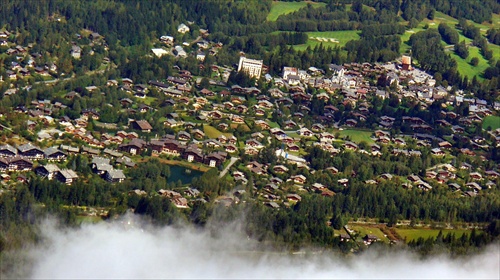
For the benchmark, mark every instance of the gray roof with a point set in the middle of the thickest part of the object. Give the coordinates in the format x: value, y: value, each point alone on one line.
x: 100, y: 160
x: 68, y: 174
x: 27, y: 147
x: 116, y: 174
x: 51, y: 150
x: 9, y: 148
x: 51, y: 168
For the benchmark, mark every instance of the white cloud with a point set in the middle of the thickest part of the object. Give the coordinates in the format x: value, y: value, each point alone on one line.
x: 121, y: 251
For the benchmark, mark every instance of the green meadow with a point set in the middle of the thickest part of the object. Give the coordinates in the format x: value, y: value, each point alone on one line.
x: 282, y: 8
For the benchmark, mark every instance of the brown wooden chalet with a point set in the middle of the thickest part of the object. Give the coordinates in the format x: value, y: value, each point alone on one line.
x: 142, y: 125
x: 215, y: 159
x: 193, y: 154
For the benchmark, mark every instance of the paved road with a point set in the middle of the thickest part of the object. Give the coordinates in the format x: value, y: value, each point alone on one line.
x: 232, y: 161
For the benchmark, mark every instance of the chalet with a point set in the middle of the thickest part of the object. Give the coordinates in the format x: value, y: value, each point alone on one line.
x: 90, y: 113
x: 215, y: 159
x: 230, y: 148
x: 370, y: 238
x: 262, y: 124
x: 48, y: 171
x: 7, y: 151
x: 114, y: 176
x: 207, y: 92
x: 241, y: 108
x: 212, y: 143
x: 193, y: 154
x: 445, y: 145
x: 30, y: 151
x: 171, y: 123
x: 254, y: 143
x: 192, y: 192
x: 100, y: 165
x: 249, y: 150
x: 423, y: 185
x: 54, y: 154
x: 343, y: 182
x: 280, y: 169
x: 182, y: 28
x: 142, y: 125
x: 289, y: 124
x: 317, y: 127
x: 437, y: 152
x: 292, y: 147
x: 183, y: 136
x: 475, y: 176
x: 90, y: 151
x: 350, y: 146
x: 474, y: 186
x: 332, y: 169
x: 133, y: 147
x: 66, y: 176
x: 351, y: 122
x: 305, y: 132
x: 19, y: 163
x: 270, y: 187
x: 491, y: 174
x: 232, y: 139
x: 198, y: 134
x: 299, y: 179
x: 293, y: 197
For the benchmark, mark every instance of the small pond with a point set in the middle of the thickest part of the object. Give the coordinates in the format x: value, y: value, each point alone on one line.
x: 186, y: 175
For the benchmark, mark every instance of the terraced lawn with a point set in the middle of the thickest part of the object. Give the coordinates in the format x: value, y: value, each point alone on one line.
x: 279, y: 8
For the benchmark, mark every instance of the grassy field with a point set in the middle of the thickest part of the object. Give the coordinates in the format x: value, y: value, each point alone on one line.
x: 412, y: 234
x: 364, y: 230
x: 88, y: 219
x: 340, y: 37
x: 212, y: 132
x: 493, y: 121
x: 356, y: 135
x: 282, y: 8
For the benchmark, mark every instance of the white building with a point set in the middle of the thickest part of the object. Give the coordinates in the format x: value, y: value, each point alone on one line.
x: 252, y: 67
x: 182, y: 28
x: 179, y: 51
x: 289, y: 71
x: 159, y: 52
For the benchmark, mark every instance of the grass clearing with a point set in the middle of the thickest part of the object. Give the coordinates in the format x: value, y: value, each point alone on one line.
x: 212, y: 132
x: 328, y: 39
x: 279, y: 8
x: 356, y: 135
x: 364, y: 230
x: 88, y: 219
x: 413, y: 234
x: 491, y: 121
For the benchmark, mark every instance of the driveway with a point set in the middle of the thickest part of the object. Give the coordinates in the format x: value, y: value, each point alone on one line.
x: 231, y: 162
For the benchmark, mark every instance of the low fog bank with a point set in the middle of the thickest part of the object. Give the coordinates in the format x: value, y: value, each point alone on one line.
x: 126, y: 249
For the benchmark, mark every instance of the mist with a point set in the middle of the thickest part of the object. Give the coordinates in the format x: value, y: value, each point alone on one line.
x: 130, y: 249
